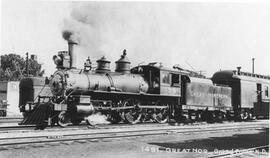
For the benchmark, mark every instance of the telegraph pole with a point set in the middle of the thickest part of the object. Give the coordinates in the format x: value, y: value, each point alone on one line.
x: 27, y: 65
x: 253, y: 65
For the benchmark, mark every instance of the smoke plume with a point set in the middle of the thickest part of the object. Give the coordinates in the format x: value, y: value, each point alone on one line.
x: 70, y: 36
x: 106, y: 28
x: 67, y: 35
x: 171, y: 32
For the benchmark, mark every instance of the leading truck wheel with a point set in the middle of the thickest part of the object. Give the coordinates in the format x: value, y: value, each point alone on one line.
x: 63, y: 119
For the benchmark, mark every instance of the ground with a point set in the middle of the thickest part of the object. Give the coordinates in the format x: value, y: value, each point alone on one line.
x: 171, y: 145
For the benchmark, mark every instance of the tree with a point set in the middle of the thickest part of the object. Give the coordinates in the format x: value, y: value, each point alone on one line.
x: 13, y: 67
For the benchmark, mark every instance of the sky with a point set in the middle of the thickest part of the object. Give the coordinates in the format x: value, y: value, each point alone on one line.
x: 204, y: 36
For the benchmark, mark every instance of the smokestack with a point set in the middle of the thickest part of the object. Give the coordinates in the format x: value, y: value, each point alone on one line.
x: 72, y: 54
x: 253, y: 65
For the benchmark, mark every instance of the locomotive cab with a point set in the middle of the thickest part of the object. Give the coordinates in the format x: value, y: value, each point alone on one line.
x: 160, y: 80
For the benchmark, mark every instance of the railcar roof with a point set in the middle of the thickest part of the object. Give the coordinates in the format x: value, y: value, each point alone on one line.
x: 232, y: 74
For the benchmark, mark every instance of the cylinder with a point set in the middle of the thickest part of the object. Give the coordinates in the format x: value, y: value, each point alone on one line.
x: 85, y: 109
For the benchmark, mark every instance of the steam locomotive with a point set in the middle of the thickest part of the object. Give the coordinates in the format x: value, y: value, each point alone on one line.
x: 143, y: 93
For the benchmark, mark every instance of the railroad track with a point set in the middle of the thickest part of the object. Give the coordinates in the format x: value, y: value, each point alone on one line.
x: 14, y: 140
x: 10, y: 119
x: 29, y: 128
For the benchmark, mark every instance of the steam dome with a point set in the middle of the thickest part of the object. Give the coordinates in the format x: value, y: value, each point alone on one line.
x: 123, y: 64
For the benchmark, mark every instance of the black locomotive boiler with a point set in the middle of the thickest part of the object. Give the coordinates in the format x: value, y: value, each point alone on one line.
x: 143, y: 93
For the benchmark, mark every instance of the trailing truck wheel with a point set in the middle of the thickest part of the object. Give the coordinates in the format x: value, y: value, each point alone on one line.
x: 244, y: 116
x: 63, y: 120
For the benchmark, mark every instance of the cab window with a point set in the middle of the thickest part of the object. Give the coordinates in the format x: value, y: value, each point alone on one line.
x: 175, y: 80
x: 266, y: 91
x: 165, y: 77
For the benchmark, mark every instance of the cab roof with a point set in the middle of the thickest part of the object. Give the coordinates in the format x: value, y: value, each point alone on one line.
x: 160, y: 68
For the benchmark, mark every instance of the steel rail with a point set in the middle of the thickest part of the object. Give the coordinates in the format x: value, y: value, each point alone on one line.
x: 124, y: 124
x: 29, y: 128
x: 105, y: 135
x: 107, y: 126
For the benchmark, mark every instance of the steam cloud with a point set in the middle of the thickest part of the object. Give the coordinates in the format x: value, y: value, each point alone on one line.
x: 109, y: 27
x: 170, y: 32
x: 97, y: 118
